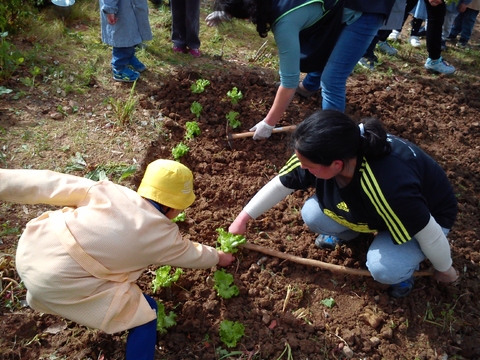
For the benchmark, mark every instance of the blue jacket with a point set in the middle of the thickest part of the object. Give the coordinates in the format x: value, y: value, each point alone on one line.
x: 132, y: 27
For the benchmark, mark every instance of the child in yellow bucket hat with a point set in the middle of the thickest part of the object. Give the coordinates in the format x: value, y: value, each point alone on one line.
x: 82, y: 261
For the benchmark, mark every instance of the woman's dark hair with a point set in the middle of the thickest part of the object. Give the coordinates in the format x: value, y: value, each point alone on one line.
x: 258, y: 11
x: 329, y: 135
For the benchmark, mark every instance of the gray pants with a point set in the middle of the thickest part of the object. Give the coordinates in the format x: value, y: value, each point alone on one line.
x: 185, y: 23
x: 388, y: 263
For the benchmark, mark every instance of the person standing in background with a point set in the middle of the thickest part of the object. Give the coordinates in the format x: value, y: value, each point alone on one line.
x: 464, y: 23
x: 125, y: 25
x: 332, y: 59
x: 436, y: 10
x: 186, y: 26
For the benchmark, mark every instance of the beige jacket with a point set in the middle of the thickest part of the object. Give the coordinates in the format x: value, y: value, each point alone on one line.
x: 81, y: 262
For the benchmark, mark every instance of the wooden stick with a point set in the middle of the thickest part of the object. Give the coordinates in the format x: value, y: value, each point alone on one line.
x: 250, y: 133
x: 317, y: 263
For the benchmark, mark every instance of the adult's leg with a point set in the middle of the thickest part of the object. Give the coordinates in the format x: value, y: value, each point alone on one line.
x: 391, y: 264
x: 178, y: 8
x: 436, y: 16
x: 319, y: 223
x: 192, y: 22
x: 349, y: 48
x: 141, y: 340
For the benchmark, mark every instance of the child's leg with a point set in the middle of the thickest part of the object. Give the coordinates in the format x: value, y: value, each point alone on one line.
x: 121, y: 57
x: 141, y: 340
x: 469, y: 19
x: 457, y: 26
x: 447, y: 24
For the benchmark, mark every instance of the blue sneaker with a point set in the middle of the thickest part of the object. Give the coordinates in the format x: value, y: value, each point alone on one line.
x: 125, y: 75
x: 328, y: 242
x: 439, y: 66
x: 137, y: 64
x: 401, y: 289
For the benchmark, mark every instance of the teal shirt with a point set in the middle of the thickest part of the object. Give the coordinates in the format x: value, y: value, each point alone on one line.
x: 286, y: 31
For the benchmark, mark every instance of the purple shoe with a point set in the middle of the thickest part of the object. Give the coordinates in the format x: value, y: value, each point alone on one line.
x: 179, y: 49
x: 195, y: 53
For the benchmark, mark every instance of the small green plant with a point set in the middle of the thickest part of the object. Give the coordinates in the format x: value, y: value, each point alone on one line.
x: 180, y: 217
x: 4, y: 90
x: 180, y: 150
x: 228, y: 242
x: 235, y: 95
x: 6, y: 229
x: 196, y: 108
x: 164, y: 278
x: 232, y: 119
x: 193, y: 129
x: 223, y: 284
x: 10, y: 57
x: 329, y: 302
x: 199, y: 86
x: 124, y: 110
x: 231, y: 332
x: 164, y: 321
x: 30, y: 81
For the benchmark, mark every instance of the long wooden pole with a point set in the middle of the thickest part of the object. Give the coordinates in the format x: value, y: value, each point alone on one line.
x: 317, y: 263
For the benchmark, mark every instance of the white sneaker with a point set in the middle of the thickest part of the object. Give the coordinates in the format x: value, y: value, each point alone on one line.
x: 415, y: 41
x: 394, y: 35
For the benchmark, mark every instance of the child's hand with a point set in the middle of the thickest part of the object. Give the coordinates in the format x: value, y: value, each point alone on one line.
x: 225, y: 259
x: 112, y: 19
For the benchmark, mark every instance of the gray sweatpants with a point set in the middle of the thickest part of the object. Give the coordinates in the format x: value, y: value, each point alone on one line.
x: 388, y: 263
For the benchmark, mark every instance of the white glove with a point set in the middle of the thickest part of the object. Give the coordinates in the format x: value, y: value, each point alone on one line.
x: 262, y: 130
x: 216, y: 17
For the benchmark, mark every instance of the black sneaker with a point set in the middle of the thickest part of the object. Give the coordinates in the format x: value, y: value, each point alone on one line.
x: 422, y: 32
x: 328, y: 242
x: 401, y: 289
x: 304, y: 92
x: 367, y: 63
x: 461, y: 44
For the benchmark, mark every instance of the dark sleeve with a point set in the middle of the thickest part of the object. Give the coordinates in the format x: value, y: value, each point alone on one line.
x: 293, y: 176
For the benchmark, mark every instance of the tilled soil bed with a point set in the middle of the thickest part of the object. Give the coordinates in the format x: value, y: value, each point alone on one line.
x: 280, y: 301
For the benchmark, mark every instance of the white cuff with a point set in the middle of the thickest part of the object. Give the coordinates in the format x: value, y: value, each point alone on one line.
x: 267, y: 197
x: 435, y: 246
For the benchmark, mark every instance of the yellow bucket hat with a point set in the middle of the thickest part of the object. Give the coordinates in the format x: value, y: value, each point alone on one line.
x: 169, y: 183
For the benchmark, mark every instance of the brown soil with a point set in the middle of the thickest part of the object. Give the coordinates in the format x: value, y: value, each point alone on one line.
x: 280, y: 301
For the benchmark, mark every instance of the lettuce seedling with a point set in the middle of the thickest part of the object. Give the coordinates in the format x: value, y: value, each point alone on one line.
x: 196, y: 108
x: 228, y: 242
x: 223, y: 284
x: 231, y: 332
x: 180, y: 217
x: 163, y: 278
x: 164, y: 321
x: 180, y: 150
x: 235, y: 95
x: 192, y: 130
x: 199, y: 86
x: 232, y: 119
